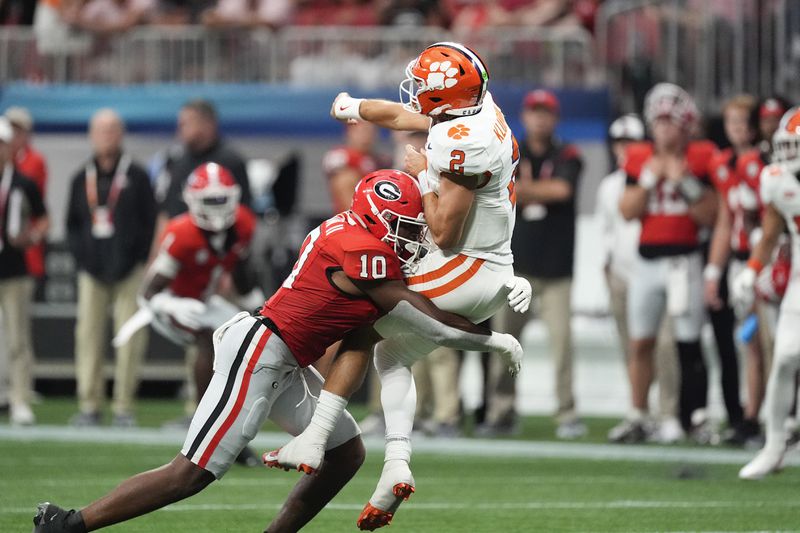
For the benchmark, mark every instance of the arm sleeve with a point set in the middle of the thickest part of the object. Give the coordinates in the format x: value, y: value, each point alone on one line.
x: 34, y: 199
x: 428, y: 327
x: 74, y: 220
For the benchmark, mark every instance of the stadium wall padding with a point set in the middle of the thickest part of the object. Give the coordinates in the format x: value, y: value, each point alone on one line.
x: 259, y: 109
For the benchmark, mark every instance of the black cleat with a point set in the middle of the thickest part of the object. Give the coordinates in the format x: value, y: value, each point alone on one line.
x: 53, y: 519
x: 247, y: 457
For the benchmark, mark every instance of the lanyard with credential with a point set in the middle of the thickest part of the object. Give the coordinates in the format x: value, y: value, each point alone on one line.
x: 103, y: 215
x: 116, y: 185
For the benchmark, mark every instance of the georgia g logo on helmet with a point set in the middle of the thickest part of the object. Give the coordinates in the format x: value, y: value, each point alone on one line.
x: 388, y: 191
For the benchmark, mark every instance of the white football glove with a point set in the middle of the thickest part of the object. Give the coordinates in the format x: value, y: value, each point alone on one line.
x: 520, y: 294
x: 742, y: 291
x: 511, y: 352
x: 346, y: 108
x: 187, y: 312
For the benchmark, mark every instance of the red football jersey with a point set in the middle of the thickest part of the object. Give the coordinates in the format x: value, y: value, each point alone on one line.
x: 200, y: 262
x: 748, y: 167
x: 309, y: 310
x: 734, y: 178
x: 667, y: 227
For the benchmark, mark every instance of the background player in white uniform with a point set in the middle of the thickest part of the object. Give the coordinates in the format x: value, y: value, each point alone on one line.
x: 467, y: 176
x: 780, y: 193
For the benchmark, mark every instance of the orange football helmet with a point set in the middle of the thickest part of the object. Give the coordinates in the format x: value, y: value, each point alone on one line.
x: 445, y: 78
x: 786, y: 141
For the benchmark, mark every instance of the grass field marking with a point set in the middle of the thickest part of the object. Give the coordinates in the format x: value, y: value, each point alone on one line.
x: 465, y: 447
x: 449, y: 506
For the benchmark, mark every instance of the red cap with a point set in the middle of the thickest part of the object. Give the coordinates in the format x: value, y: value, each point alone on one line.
x: 771, y: 108
x: 541, y: 98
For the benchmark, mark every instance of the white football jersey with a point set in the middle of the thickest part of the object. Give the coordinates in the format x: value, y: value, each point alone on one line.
x: 481, y: 144
x: 782, y: 189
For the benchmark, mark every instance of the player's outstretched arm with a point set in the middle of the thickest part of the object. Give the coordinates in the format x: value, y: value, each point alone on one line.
x: 445, y: 329
x: 380, y: 112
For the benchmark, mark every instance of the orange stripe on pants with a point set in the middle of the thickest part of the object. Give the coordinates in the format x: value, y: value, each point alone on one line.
x: 455, y: 282
x: 439, y: 272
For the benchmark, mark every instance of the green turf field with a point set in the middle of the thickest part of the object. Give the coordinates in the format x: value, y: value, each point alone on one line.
x: 455, y: 491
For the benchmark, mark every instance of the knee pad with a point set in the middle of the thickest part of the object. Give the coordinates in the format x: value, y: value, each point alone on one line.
x: 401, y: 350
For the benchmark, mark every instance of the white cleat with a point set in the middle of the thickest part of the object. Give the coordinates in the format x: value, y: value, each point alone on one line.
x: 298, y: 455
x: 768, y: 461
x: 394, y: 487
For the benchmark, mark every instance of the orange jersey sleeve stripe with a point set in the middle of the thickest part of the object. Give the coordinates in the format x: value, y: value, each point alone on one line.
x: 439, y: 272
x: 455, y: 282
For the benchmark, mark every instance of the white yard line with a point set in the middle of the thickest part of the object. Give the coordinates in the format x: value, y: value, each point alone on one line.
x: 449, y: 447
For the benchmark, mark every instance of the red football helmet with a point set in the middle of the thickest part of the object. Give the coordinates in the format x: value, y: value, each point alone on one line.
x: 445, y: 78
x: 212, y: 196
x: 389, y: 204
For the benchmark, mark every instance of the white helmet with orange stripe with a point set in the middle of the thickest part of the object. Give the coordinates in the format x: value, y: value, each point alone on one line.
x: 786, y: 142
x: 212, y: 196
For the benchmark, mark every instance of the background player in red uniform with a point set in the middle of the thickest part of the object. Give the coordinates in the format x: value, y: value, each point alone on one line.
x: 348, y: 274
x: 668, y: 190
x: 197, y: 249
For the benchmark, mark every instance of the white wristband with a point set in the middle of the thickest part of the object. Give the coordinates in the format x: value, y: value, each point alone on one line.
x: 712, y: 272
x: 347, y: 108
x: 424, y: 186
x: 647, y: 179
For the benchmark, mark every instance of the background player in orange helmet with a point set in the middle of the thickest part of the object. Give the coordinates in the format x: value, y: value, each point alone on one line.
x: 467, y: 177
x: 668, y: 190
x: 348, y: 274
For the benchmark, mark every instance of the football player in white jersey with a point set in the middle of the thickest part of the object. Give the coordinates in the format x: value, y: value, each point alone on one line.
x: 780, y: 193
x: 466, y: 175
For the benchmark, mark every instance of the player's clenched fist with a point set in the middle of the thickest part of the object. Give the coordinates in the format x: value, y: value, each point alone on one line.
x: 345, y: 107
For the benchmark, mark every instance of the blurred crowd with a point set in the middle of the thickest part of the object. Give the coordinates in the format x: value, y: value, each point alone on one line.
x: 113, y: 16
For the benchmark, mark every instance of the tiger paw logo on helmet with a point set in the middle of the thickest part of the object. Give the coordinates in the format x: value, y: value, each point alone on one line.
x: 441, y: 75
x: 459, y: 131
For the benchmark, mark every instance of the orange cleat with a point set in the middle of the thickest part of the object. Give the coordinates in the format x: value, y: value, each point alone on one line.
x: 271, y: 461
x: 372, y: 518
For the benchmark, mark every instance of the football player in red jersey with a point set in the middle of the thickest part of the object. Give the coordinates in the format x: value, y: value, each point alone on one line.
x: 668, y: 191
x: 197, y: 249
x: 731, y: 173
x: 348, y: 274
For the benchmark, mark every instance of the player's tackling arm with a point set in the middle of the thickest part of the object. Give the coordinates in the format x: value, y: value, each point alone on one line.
x: 380, y: 112
x: 445, y: 329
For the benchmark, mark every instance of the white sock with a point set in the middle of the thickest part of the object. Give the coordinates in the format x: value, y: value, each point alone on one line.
x: 778, y: 403
x: 329, y: 409
x: 398, y: 398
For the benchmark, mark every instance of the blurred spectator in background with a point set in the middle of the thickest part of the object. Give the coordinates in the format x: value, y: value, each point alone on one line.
x: 335, y: 13
x: 620, y: 239
x: 198, y: 131
x: 248, y: 13
x: 31, y: 164
x: 471, y: 15
x: 544, y: 251
x: 668, y: 190
x: 111, y: 17
x: 110, y: 222
x: 737, y: 217
x: 345, y: 165
x: 17, y: 12
x: 23, y: 222
x: 411, y: 13
x: 53, y: 25
x: 770, y: 111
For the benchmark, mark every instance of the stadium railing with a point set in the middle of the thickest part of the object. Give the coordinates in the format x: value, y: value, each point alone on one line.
x: 306, y: 56
x: 713, y: 49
